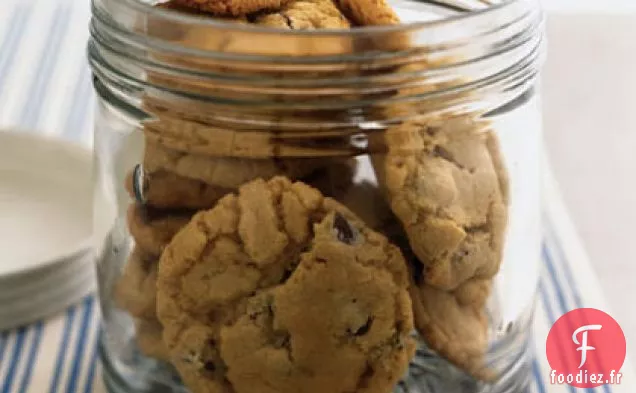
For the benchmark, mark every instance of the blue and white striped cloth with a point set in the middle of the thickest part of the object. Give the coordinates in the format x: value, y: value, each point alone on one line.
x: 44, y: 80
x: 45, y: 86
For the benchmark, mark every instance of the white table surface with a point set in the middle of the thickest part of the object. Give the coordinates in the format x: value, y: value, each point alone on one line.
x: 590, y: 130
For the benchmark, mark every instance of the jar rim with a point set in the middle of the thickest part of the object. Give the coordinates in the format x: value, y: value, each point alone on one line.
x: 203, y: 21
x: 495, y: 49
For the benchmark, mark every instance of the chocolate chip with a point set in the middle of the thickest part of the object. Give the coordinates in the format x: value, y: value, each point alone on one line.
x: 281, y: 340
x: 442, y: 153
x: 344, y: 231
x: 364, y: 329
x: 417, y: 270
x: 149, y: 213
x: 286, y: 274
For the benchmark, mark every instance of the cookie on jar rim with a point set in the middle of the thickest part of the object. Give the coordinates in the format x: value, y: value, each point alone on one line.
x: 275, y: 280
x: 227, y: 7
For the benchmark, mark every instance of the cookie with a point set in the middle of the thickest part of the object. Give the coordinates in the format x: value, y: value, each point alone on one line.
x: 152, y: 228
x: 148, y: 336
x: 279, y: 289
x: 166, y: 190
x: 368, y: 12
x: 455, y: 325
x: 136, y: 289
x: 259, y: 138
x: 289, y: 15
x: 305, y: 15
x: 285, y: 14
x: 443, y: 184
x: 224, y: 172
x: 231, y: 7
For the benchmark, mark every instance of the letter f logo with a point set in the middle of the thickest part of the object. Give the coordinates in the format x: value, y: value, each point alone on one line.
x: 583, y: 344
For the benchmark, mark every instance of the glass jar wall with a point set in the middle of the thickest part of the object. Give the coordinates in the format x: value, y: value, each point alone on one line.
x: 339, y: 210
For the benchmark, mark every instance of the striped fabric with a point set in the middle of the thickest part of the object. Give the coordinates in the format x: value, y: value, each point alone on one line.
x: 45, y: 86
x: 44, y: 80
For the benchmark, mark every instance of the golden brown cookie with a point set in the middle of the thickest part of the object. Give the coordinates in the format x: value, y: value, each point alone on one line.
x: 368, y: 12
x: 304, y: 15
x: 253, y: 134
x: 231, y: 7
x: 176, y: 5
x: 443, y: 184
x: 136, y: 289
x: 153, y: 228
x: 224, y: 172
x: 148, y: 335
x: 454, y: 324
x: 446, y: 183
x: 279, y: 289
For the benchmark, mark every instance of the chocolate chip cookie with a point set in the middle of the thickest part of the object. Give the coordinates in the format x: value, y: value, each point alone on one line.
x: 279, y: 289
x: 231, y: 7
x: 443, y: 180
x: 454, y: 324
x: 224, y: 172
x: 136, y: 289
x: 304, y: 15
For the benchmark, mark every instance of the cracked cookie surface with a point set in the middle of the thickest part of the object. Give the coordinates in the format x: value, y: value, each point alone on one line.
x: 258, y: 292
x: 304, y: 15
x: 444, y: 185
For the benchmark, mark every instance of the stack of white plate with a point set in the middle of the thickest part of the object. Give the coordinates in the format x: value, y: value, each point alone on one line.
x: 46, y: 235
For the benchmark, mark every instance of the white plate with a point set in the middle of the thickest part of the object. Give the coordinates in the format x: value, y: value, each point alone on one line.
x: 44, y: 304
x: 45, y: 202
x: 24, y: 285
x: 47, y: 237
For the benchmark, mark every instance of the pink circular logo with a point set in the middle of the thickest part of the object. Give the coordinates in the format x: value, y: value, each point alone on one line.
x: 586, y: 348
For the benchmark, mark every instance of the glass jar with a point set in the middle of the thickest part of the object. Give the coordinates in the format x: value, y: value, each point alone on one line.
x: 396, y: 165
